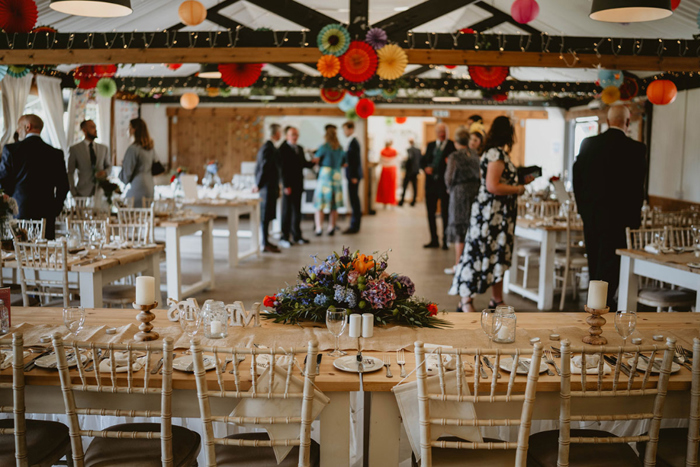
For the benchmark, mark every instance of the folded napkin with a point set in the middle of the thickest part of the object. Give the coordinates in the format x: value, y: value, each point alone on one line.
x: 592, y: 362
x: 6, y: 358
x: 122, y: 364
x: 431, y: 359
x: 652, y: 248
x: 117, y: 245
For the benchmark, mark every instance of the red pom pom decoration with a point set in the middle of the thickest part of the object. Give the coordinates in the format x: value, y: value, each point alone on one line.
x: 629, y: 89
x: 401, y: 120
x: 524, y: 11
x: 174, y: 66
x: 18, y: 15
x: 105, y: 71
x: 359, y: 63
x: 662, y: 92
x: 332, y: 96
x: 364, y: 108
x: 488, y: 76
x: 240, y: 75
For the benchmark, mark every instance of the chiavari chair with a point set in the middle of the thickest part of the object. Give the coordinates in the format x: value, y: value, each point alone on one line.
x: 125, y: 444
x: 28, y: 230
x: 490, y: 451
x: 42, y: 269
x: 680, y: 237
x: 136, y: 220
x: 583, y: 447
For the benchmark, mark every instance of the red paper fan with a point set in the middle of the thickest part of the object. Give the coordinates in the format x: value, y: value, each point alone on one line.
x: 44, y: 29
x: 87, y: 82
x: 488, y: 76
x: 359, y: 63
x: 332, y: 96
x: 18, y: 15
x: 629, y: 88
x: 500, y: 97
x: 240, y: 75
x: 105, y: 71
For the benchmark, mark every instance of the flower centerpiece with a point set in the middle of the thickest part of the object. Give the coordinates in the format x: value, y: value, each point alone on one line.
x: 108, y: 187
x: 357, y: 282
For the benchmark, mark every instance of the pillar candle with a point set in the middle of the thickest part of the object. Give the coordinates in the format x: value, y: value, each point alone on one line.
x: 145, y: 290
x: 355, y: 325
x: 367, y: 325
x: 597, y: 294
x: 216, y: 327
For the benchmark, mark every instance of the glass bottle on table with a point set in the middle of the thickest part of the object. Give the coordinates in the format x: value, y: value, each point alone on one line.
x: 506, y: 333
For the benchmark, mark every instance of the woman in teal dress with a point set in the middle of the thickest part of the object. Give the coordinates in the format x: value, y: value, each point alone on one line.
x: 328, y: 196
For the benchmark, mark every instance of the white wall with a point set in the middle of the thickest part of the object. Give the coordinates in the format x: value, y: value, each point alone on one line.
x: 156, y: 118
x: 544, y: 145
x: 382, y: 129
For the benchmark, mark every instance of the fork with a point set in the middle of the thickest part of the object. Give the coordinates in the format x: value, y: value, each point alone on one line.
x: 387, y: 364
x: 548, y: 358
x: 401, y: 360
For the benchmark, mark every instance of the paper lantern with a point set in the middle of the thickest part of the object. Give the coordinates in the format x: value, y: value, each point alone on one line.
x: 333, y: 39
x: 240, y: 75
x: 93, y: 8
x: 629, y: 89
x: 332, y: 96
x: 524, y: 11
x: 364, y: 108
x: 213, y: 91
x: 18, y: 71
x: 359, y: 63
x: 610, y: 95
x: 18, y: 15
x: 377, y: 38
x: 174, y: 66
x: 328, y: 66
x: 106, y: 87
x: 610, y: 78
x: 105, y: 71
x: 348, y: 102
x: 401, y: 120
x: 392, y: 62
x: 3, y: 71
x: 192, y: 13
x: 662, y: 92
x: 488, y: 76
x: 189, y: 100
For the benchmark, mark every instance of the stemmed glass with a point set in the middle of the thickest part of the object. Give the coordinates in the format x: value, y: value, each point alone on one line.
x: 660, y: 239
x: 625, y: 324
x: 98, y: 237
x: 336, y: 321
x: 490, y: 323
x: 190, y: 321
x: 74, y: 319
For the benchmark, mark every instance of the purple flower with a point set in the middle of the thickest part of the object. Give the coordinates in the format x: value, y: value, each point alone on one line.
x: 377, y: 38
x: 405, y: 287
x: 379, y: 294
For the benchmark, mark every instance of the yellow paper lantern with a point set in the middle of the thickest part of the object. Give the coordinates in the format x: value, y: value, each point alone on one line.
x: 610, y: 95
x: 192, y: 13
x: 392, y: 61
x: 189, y: 100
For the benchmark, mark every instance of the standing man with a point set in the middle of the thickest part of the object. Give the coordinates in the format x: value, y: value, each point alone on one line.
x: 412, y: 171
x: 434, y: 163
x: 267, y: 182
x: 354, y: 174
x: 90, y: 159
x: 293, y: 163
x: 34, y: 174
x: 608, y: 178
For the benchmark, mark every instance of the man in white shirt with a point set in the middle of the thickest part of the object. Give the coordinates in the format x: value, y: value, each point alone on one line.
x: 89, y: 159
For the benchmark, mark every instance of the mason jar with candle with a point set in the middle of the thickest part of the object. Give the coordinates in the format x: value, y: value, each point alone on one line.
x: 215, y: 320
x: 506, y: 333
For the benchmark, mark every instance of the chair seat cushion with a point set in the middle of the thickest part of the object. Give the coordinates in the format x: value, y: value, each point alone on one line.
x: 544, y: 449
x: 47, y: 442
x: 229, y: 456
x: 672, y: 448
x: 473, y: 457
x: 104, y: 452
x: 656, y: 295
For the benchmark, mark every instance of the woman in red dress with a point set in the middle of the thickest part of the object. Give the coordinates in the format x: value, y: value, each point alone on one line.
x: 386, y: 190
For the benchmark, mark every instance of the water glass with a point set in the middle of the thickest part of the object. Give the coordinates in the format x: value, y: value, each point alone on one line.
x: 625, y: 323
x: 336, y: 321
x: 74, y: 319
x: 190, y: 320
x: 490, y: 323
x: 660, y: 239
x: 97, y: 238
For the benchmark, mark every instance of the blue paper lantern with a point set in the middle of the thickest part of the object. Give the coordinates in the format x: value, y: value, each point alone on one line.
x: 608, y: 78
x: 3, y: 71
x: 349, y: 102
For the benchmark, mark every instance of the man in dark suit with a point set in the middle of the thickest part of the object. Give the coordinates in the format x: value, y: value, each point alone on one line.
x: 267, y: 182
x: 412, y: 171
x: 608, y: 177
x: 354, y: 175
x: 434, y: 163
x: 293, y: 163
x: 34, y: 174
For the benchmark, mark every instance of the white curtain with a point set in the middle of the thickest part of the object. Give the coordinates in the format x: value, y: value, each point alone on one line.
x: 76, y: 114
x: 14, y: 98
x: 51, y: 98
x: 104, y: 110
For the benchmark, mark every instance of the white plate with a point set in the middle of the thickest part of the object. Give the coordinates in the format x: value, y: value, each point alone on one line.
x: 642, y: 365
x: 145, y: 246
x: 49, y: 361
x: 694, y: 265
x: 181, y: 363
x: 349, y: 363
x: 506, y: 363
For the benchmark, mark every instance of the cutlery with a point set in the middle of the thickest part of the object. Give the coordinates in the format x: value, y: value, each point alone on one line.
x: 525, y: 364
x: 360, y: 369
x: 158, y: 366
x: 401, y: 361
x: 549, y: 358
x: 92, y: 364
x: 482, y: 372
x: 223, y: 368
x: 493, y: 368
x: 681, y: 362
x: 681, y: 358
x: 32, y: 363
x: 613, y: 361
x: 655, y: 365
x: 239, y: 359
x: 688, y: 354
x: 318, y: 363
x: 387, y: 364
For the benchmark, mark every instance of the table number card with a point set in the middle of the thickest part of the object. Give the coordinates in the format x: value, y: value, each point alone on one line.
x: 177, y: 306
x: 241, y: 317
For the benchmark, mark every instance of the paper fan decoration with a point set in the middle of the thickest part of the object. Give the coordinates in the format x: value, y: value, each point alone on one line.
x: 87, y: 82
x: 18, y: 15
x: 610, y: 95
x: 240, y: 75
x: 351, y: 115
x: 18, y: 71
x: 629, y: 89
x: 467, y: 31
x: 359, y: 63
x: 357, y: 92
x: 392, y: 62
x: 377, y: 38
x: 105, y: 71
x: 328, y: 66
x: 333, y: 39
x: 349, y: 102
x: 106, y: 87
x: 44, y: 29
x: 3, y: 71
x: 364, y: 108
x: 488, y: 76
x: 332, y: 96
x: 373, y: 92
x: 500, y: 97
x: 389, y: 94
x: 225, y: 92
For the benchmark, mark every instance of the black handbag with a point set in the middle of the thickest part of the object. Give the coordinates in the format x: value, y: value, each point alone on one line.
x: 157, y: 168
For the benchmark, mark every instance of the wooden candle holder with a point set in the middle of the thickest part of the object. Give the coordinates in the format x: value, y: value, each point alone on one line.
x: 145, y: 328
x: 596, y: 321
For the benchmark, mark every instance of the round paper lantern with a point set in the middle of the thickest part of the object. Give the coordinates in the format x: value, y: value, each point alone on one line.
x: 240, y: 75
x: 662, y: 92
x: 488, y: 76
x: 364, y: 108
x: 610, y: 78
x: 377, y: 38
x: 332, y: 96
x: 348, y: 102
x: 392, y: 62
x: 524, y: 11
x: 192, y: 13
x: 328, y: 66
x: 629, y: 89
x: 359, y: 63
x: 610, y: 95
x: 106, y: 87
x: 18, y: 15
x: 333, y: 39
x: 401, y: 120
x: 674, y: 4
x: 174, y: 66
x: 18, y: 71
x: 105, y: 71
x: 189, y: 100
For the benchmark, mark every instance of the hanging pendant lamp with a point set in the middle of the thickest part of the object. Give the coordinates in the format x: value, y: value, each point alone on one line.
x: 630, y: 11
x: 210, y: 71
x: 94, y: 8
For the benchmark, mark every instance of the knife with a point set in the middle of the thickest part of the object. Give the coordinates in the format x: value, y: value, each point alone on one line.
x: 360, y: 369
x: 490, y: 365
x: 613, y: 361
x: 318, y: 363
x: 160, y: 364
x: 32, y: 363
x: 482, y: 372
x: 655, y: 364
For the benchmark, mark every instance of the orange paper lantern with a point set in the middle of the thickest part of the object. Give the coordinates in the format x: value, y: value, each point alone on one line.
x: 662, y: 92
x: 400, y: 120
x: 189, y: 100
x: 192, y: 13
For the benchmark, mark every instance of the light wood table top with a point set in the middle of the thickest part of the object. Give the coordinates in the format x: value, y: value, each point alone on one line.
x: 177, y: 222
x: 223, y: 202
x: 673, y: 260
x: 558, y: 226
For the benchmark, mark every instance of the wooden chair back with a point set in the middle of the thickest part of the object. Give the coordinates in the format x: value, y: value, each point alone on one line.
x: 135, y: 217
x: 115, y: 383
x: 549, y: 209
x: 17, y: 409
x: 28, y: 230
x: 637, y: 239
x: 461, y: 355
x: 161, y: 206
x: 307, y: 396
x: 574, y: 237
x: 34, y: 261
x: 680, y: 236
x: 594, y: 387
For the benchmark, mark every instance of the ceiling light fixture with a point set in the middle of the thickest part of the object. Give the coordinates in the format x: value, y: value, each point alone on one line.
x: 626, y: 11
x: 446, y: 99
x: 401, y: 8
x: 210, y: 71
x: 93, y: 8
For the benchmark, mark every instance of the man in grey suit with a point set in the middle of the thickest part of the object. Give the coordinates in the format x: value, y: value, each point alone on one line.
x: 88, y: 158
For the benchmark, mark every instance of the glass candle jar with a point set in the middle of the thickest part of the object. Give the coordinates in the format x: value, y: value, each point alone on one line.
x: 506, y: 334
x: 215, y: 320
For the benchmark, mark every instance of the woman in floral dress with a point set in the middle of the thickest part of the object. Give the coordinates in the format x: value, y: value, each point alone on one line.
x: 329, y: 186
x: 489, y: 243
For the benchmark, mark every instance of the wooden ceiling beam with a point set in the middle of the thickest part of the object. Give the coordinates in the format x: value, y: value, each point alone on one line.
x: 359, y: 19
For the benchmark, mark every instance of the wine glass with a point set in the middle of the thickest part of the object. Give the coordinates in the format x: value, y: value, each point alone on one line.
x: 190, y: 321
x: 625, y: 323
x: 490, y: 323
x: 336, y: 321
x: 98, y: 237
x: 73, y: 319
x: 660, y: 239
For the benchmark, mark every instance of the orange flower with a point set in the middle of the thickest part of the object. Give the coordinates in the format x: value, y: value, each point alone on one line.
x: 363, y: 263
x: 433, y: 309
x: 328, y: 66
x: 269, y: 301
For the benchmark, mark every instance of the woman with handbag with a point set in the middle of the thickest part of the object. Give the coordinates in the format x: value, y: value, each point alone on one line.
x: 137, y: 166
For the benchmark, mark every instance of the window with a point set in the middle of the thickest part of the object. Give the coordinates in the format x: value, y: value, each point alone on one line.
x: 583, y: 128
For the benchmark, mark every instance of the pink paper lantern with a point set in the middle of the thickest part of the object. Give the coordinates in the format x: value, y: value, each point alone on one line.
x: 524, y: 11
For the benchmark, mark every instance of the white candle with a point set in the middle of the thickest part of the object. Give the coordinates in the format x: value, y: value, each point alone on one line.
x: 367, y: 325
x: 216, y: 327
x: 355, y: 325
x: 145, y: 290
x: 597, y: 294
